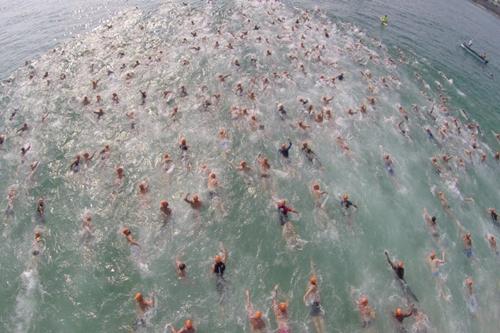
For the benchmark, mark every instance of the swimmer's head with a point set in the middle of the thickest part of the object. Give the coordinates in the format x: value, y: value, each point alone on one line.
x: 257, y: 315
x: 469, y: 282
x: 432, y: 255
x: 398, y: 312
x: 401, y: 264
x: 433, y: 219
x: 283, y: 307
x: 119, y: 171
x: 212, y: 175
x: 316, y: 187
x: 345, y: 196
x: 363, y: 301
x: 138, y: 297
x: 313, y: 280
x: 218, y: 259
x: 38, y: 236
x: 196, y: 197
x: 126, y: 231
x: 182, y: 266
x: 188, y: 324
x: 163, y: 204
x: 183, y: 141
x: 243, y: 164
x: 281, y: 202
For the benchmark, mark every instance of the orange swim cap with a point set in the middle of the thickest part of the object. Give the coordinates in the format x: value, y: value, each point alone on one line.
x: 282, y: 306
x: 399, y: 312
x: 189, y: 324
x: 313, y: 280
x: 138, y: 297
x: 257, y: 315
x: 218, y: 258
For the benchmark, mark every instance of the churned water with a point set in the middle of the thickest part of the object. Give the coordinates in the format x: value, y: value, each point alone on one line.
x: 263, y: 73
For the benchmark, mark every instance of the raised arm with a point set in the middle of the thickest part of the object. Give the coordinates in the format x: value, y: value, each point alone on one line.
x: 388, y: 259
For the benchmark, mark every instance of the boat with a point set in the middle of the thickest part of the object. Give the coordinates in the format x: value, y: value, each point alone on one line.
x: 478, y: 56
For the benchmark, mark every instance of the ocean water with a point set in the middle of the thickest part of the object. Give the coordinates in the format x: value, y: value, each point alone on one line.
x: 85, y: 280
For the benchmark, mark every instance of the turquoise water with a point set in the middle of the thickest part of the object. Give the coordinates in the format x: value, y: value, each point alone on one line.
x: 87, y: 283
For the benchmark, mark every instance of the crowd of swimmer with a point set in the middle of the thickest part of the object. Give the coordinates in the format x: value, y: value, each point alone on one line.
x: 307, y: 41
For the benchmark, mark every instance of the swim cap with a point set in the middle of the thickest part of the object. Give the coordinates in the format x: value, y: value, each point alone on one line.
x: 401, y: 263
x: 363, y: 301
x: 126, y: 231
x: 138, y: 297
x: 257, y: 315
x: 164, y: 203
x: 399, y: 312
x: 218, y: 258
x: 189, y: 324
x: 282, y: 306
x: 313, y: 280
x: 316, y: 186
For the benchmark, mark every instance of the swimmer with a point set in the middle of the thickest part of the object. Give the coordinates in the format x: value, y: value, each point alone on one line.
x: 40, y: 210
x: 284, y: 149
x: 11, y: 196
x: 165, y: 211
x: 317, y: 194
x: 283, y: 210
x: 444, y: 202
x: 389, y: 164
x: 87, y: 157
x: 280, y: 312
x: 195, y: 201
x: 309, y: 153
x: 435, y: 164
x: 115, y: 98
x: 187, y: 328
x: 2, y: 139
x: 257, y: 323
x: 143, y: 188
x: 37, y: 244
x: 24, y: 150
x: 85, y: 101
x: 435, y: 263
x: 75, y: 165
x: 431, y: 222
x: 167, y: 162
x: 105, y: 152
x: 366, y: 312
x: 99, y: 113
x: 218, y: 269
x: 212, y: 183
x: 470, y: 296
x: 183, y: 144
x: 399, y: 271
x: 219, y: 266
x: 243, y: 166
x: 281, y: 110
x: 492, y: 241
x: 120, y: 174
x: 493, y: 215
x: 467, y: 240
x: 143, y: 304
x: 87, y: 226
x: 399, y: 314
x: 180, y: 268
x: 264, y: 166
x: 312, y: 299
x: 346, y: 203
x: 130, y: 239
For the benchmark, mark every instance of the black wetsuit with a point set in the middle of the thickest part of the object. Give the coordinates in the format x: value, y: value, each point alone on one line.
x: 219, y: 269
x: 284, y: 151
x: 183, y: 147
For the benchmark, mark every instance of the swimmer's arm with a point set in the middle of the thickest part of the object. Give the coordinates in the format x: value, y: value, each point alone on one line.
x: 132, y: 241
x: 186, y: 199
x: 388, y: 259
x: 225, y: 253
x: 306, y: 295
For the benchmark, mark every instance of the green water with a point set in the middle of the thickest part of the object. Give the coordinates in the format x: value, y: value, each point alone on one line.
x: 81, y: 284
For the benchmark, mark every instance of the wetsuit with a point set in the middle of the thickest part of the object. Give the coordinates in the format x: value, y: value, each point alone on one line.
x: 283, y: 210
x: 183, y: 147
x: 219, y: 269
x: 284, y: 151
x: 347, y: 204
